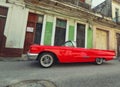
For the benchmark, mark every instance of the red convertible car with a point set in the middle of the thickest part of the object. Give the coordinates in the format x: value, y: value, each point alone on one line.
x: 68, y: 53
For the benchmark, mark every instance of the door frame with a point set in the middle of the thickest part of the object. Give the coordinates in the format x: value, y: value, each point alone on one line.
x: 32, y: 33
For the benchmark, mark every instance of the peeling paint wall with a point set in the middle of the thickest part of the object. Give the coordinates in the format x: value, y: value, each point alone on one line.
x: 115, y: 5
x: 88, y: 2
x: 15, y: 25
x: 111, y: 36
x: 48, y: 30
x: 2, y: 0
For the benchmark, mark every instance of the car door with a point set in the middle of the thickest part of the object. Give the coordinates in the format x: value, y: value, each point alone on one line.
x: 85, y: 55
x: 65, y: 54
x: 71, y: 54
x: 80, y: 55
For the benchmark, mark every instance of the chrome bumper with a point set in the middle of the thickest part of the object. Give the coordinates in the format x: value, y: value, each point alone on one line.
x: 32, y: 56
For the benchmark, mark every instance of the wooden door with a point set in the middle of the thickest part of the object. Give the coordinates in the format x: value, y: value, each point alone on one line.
x: 30, y: 31
x: 60, y: 32
x: 101, y: 39
x: 3, y: 16
x: 80, y: 35
x: 59, y: 36
x: 2, y: 25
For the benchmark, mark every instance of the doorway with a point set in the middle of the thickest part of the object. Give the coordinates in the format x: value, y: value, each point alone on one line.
x: 33, y: 31
x: 60, y: 32
x: 80, y: 39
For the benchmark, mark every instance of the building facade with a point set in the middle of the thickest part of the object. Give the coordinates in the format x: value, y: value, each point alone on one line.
x: 13, y: 20
x: 116, y: 19
x: 52, y: 22
x: 58, y: 21
x: 109, y: 9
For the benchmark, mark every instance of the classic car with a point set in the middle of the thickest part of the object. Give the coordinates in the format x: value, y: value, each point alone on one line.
x: 68, y: 53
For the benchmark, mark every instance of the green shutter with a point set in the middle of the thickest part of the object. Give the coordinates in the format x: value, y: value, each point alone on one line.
x: 48, y: 33
x: 89, y: 38
x: 71, y: 33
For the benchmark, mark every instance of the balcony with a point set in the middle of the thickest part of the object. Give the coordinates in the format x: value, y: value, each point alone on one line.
x: 76, y: 3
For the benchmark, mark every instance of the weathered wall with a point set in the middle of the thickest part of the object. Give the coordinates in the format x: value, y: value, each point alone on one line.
x: 48, y: 30
x: 16, y: 26
x: 111, y: 36
x: 114, y: 6
x: 88, y: 2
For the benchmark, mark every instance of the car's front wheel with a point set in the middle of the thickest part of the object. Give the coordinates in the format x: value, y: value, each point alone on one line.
x: 99, y: 61
x: 46, y: 60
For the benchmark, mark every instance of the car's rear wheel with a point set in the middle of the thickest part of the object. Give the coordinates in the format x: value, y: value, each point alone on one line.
x: 99, y: 61
x: 46, y: 60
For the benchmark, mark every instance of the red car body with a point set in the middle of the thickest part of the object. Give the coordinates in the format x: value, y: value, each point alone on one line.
x: 70, y: 54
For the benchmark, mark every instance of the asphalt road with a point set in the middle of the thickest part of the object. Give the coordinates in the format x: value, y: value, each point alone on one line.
x: 62, y: 75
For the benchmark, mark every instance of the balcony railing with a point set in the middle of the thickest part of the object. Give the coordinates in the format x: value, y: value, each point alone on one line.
x: 77, y: 3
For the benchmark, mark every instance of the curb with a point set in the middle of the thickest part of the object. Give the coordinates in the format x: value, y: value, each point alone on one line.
x: 13, y: 59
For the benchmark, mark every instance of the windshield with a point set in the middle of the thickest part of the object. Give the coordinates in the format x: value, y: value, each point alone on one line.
x: 69, y: 44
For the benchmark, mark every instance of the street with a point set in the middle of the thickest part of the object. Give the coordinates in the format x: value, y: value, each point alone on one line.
x: 62, y: 75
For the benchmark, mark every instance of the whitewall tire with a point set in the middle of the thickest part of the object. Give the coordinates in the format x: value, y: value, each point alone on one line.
x: 99, y: 61
x: 46, y: 60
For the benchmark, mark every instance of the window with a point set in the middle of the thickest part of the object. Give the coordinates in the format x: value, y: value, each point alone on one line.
x: 117, y: 14
x: 61, y: 23
x: 60, y: 32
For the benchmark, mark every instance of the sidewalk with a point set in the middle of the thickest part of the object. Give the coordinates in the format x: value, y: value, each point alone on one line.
x: 23, y: 58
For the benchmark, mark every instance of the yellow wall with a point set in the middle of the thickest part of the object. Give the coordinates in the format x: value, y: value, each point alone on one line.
x: 111, y: 36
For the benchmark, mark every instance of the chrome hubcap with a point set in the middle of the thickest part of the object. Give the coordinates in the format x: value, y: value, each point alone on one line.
x: 99, y: 60
x: 46, y: 60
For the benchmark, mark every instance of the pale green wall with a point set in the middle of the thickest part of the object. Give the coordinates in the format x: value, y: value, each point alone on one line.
x: 71, y: 33
x: 48, y: 30
x: 89, y: 38
x: 15, y: 28
x: 48, y: 33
